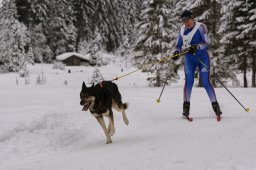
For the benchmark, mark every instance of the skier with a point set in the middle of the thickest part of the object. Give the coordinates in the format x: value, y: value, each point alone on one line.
x: 193, y: 36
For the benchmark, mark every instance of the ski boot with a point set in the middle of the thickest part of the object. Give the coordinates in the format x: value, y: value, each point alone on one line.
x: 186, y: 108
x: 216, y: 108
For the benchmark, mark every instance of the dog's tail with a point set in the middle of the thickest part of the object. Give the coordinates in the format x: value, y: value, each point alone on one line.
x: 125, y: 106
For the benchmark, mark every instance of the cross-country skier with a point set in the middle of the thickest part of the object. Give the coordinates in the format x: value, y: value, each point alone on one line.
x: 193, y: 36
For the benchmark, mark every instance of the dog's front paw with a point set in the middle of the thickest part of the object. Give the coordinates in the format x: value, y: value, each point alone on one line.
x: 126, y: 121
x: 109, y: 141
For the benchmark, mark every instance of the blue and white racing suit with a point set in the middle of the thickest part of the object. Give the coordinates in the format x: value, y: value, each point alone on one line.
x: 198, y: 37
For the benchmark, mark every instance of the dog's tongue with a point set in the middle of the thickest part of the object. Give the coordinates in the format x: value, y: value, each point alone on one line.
x: 85, y: 108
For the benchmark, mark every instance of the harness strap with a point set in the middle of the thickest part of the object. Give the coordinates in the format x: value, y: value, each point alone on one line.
x: 101, y: 84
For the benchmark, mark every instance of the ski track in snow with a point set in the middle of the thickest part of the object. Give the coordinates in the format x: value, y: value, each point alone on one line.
x: 43, y: 127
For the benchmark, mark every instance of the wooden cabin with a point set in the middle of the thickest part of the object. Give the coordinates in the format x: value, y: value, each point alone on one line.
x: 74, y: 59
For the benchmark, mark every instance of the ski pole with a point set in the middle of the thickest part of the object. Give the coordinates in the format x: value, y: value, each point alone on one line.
x: 158, y: 100
x: 205, y: 66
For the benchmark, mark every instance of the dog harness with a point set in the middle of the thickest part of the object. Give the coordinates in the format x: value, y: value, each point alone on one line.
x: 101, y: 84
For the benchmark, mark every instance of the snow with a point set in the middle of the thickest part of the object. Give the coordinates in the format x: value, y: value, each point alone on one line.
x: 43, y: 127
x: 69, y: 54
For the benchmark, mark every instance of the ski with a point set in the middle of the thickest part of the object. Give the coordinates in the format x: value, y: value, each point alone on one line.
x: 190, y: 119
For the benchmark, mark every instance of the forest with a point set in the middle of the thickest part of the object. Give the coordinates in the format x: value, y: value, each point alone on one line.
x: 36, y: 31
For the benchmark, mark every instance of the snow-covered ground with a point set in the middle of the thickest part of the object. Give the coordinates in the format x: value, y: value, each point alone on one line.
x: 43, y: 127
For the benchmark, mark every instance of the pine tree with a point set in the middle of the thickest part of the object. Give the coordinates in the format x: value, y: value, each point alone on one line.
x: 238, y: 34
x: 131, y: 16
x: 95, y: 47
x: 30, y: 56
x: 24, y: 12
x: 241, y: 41
x: 181, y: 5
x: 250, y: 29
x: 109, y: 21
x: 96, y: 76
x: 84, y: 11
x: 157, y: 36
x: 60, y: 29
x: 41, y: 11
x: 13, y: 39
x: 39, y: 45
x: 225, y: 61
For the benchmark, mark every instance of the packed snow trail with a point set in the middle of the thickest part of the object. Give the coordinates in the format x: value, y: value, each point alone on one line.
x: 43, y: 127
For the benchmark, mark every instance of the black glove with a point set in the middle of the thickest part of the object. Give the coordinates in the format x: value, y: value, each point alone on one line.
x: 193, y: 48
x: 176, y: 55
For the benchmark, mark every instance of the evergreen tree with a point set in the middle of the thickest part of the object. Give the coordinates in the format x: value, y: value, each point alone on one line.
x: 34, y: 15
x: 24, y: 12
x: 13, y: 39
x: 131, y: 16
x: 40, y: 10
x: 225, y: 61
x: 241, y: 40
x: 109, y: 22
x: 61, y: 32
x: 37, y: 28
x: 41, y: 50
x: 96, y: 76
x: 84, y: 11
x: 250, y: 30
x: 157, y: 36
x: 181, y: 5
x: 238, y: 34
x: 30, y: 56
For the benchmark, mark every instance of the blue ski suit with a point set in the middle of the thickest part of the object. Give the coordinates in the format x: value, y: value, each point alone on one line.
x: 191, y: 61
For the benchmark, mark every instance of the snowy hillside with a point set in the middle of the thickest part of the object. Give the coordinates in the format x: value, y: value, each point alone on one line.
x: 43, y: 127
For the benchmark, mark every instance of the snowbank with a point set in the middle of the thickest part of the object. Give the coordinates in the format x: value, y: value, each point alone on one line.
x: 43, y: 127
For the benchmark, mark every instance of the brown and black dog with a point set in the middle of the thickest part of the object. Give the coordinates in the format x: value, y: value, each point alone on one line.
x: 100, y: 99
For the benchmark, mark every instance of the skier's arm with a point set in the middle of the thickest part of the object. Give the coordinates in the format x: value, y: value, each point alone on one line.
x: 179, y: 43
x: 205, y: 43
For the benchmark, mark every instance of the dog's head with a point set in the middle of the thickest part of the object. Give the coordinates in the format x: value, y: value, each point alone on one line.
x: 87, y: 96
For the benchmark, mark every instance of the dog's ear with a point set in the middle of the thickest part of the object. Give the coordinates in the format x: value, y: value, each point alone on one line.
x: 83, y: 86
x: 93, y: 84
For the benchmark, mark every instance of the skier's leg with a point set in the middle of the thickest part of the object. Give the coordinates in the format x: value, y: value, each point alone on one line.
x: 189, y: 69
x: 205, y: 77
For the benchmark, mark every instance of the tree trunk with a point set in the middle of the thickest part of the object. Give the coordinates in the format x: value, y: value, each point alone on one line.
x: 158, y: 79
x: 245, y: 71
x: 253, y: 70
x: 77, y: 41
x: 213, y: 78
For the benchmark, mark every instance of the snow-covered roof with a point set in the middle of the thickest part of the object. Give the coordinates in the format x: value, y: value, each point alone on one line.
x: 64, y: 56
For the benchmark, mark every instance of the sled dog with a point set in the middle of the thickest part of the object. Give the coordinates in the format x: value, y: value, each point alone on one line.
x: 100, y: 99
